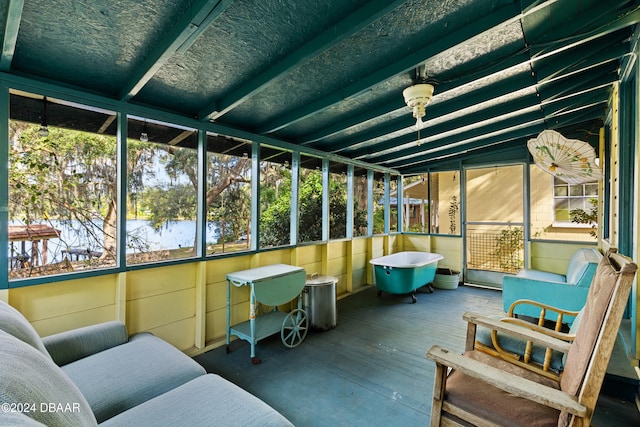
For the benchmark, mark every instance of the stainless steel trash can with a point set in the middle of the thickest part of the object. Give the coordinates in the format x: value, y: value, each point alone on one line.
x: 319, y: 301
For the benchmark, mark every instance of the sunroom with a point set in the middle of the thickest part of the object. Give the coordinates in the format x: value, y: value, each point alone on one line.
x: 153, y: 148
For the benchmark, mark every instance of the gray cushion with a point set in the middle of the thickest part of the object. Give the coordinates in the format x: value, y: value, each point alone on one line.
x: 122, y: 377
x: 14, y: 323
x: 30, y: 377
x: 209, y: 400
x: 75, y: 344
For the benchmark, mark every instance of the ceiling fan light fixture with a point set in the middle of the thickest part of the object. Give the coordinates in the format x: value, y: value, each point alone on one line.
x: 417, y: 97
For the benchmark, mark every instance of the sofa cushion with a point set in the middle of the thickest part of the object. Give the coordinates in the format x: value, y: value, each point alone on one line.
x: 66, y: 347
x: 541, y: 275
x: 205, y: 401
x: 14, y: 323
x: 582, y: 267
x: 29, y: 377
x: 122, y: 377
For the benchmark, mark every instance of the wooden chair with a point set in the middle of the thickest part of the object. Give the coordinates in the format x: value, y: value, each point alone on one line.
x: 544, y: 360
x: 476, y: 388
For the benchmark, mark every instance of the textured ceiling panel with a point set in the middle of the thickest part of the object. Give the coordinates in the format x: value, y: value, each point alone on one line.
x: 411, y: 26
x: 243, y: 42
x: 325, y: 75
x: 91, y: 44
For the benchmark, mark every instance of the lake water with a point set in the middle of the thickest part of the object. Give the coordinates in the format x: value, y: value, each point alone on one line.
x: 141, y: 237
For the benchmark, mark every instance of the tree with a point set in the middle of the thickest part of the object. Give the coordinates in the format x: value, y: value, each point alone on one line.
x: 68, y: 176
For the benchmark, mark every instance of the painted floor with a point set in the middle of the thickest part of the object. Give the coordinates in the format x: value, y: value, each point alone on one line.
x: 371, y: 369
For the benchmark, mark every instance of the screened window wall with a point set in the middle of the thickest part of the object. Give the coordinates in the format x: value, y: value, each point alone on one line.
x: 66, y: 214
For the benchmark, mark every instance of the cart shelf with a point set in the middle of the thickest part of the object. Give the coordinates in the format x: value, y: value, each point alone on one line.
x: 271, y: 285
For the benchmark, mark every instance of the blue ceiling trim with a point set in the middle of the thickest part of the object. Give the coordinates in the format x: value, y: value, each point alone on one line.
x: 627, y: 19
x: 454, y: 140
x: 440, y: 109
x: 460, y: 122
x: 435, y: 111
x: 10, y: 35
x: 192, y: 23
x: 369, y: 13
x: 515, y: 136
x: 609, y: 48
x: 491, y: 20
x: 550, y: 111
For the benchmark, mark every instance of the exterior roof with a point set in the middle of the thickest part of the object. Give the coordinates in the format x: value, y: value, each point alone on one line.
x: 329, y: 75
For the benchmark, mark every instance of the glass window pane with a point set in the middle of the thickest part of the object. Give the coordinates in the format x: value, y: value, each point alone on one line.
x: 415, y: 203
x: 445, y: 202
x: 378, y: 203
x: 393, y: 217
x: 360, y: 202
x: 275, y: 197
x: 576, y: 190
x: 228, y: 198
x: 337, y: 200
x: 162, y: 194
x: 62, y: 187
x: 561, y: 191
x: 591, y: 189
x: 310, y: 200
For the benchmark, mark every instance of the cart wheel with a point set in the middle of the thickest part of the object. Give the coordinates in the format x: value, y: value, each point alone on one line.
x: 379, y: 293
x: 294, y: 328
x: 413, y: 298
x: 228, y: 349
x: 256, y: 361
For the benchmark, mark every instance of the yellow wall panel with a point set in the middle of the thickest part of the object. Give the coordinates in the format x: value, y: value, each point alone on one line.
x: 553, y: 257
x: 309, y: 255
x: 180, y: 334
x: 359, y: 278
x: 416, y: 242
x: 152, y: 312
x: 359, y: 260
x: 218, y: 269
x: 337, y: 249
x: 360, y: 246
x: 74, y: 320
x: 161, y: 280
x: 216, y: 325
x: 216, y: 295
x: 450, y: 248
x: 57, y: 299
x: 282, y: 256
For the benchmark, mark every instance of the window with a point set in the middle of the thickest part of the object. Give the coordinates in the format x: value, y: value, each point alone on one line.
x: 162, y: 167
x: 393, y: 217
x: 337, y: 200
x: 551, y: 203
x: 445, y: 202
x: 360, y: 202
x: 571, y: 197
x: 415, y: 203
x: 275, y: 197
x: 228, y: 197
x: 62, y: 187
x: 310, y: 200
x: 378, y: 203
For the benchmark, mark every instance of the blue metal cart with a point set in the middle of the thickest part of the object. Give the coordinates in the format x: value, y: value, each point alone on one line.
x: 271, y: 285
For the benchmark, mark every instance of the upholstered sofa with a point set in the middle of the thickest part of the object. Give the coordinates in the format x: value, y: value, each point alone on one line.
x: 567, y: 291
x: 100, y: 375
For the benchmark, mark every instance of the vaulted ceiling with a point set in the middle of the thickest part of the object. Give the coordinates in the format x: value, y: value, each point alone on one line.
x: 328, y: 75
